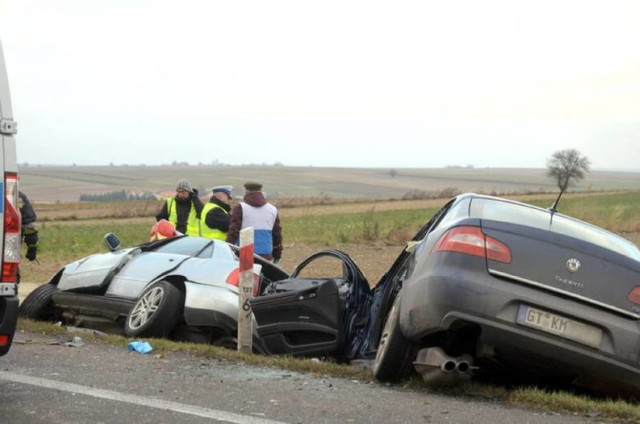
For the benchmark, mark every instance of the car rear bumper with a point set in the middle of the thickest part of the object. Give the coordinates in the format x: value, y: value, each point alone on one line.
x: 460, y: 294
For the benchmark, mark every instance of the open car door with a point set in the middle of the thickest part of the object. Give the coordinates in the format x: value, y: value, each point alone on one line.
x: 320, y: 310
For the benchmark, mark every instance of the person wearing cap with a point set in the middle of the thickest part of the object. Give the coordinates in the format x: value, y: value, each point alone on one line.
x: 183, y: 210
x: 214, y: 221
x: 254, y: 211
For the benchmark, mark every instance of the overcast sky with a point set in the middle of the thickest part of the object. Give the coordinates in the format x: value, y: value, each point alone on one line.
x: 324, y: 83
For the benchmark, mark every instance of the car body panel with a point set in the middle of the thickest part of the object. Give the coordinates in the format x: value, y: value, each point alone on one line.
x: 205, y: 304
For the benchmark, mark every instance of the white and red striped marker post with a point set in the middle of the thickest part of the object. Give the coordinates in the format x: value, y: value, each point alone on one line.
x: 245, y: 317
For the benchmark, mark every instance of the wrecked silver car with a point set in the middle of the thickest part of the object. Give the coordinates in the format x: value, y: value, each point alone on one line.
x: 182, y: 287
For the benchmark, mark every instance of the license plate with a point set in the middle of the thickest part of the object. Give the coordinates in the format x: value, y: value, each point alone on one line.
x: 559, y: 325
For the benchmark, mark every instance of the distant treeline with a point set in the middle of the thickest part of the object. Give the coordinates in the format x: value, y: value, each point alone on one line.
x: 118, y: 195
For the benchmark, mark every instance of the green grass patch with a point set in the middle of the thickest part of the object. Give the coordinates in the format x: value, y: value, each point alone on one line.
x: 68, y: 242
x: 358, y: 227
x: 616, y: 212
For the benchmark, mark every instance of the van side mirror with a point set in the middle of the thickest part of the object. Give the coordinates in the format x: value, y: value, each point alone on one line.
x: 112, y: 241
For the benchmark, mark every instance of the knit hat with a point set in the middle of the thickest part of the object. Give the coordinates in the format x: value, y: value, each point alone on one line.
x: 184, y: 184
x: 252, y: 186
x: 223, y: 189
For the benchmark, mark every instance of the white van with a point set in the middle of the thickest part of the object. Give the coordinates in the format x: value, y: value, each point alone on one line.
x: 9, y: 216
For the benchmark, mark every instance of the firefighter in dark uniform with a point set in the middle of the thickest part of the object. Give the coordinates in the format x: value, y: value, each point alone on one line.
x: 29, y: 226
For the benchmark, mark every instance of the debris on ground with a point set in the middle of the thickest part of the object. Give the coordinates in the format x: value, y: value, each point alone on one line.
x: 140, y: 347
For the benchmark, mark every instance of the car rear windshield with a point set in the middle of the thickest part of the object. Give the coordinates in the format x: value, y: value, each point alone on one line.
x: 521, y: 214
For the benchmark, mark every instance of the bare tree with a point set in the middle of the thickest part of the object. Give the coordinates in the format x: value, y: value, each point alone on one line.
x: 567, y: 166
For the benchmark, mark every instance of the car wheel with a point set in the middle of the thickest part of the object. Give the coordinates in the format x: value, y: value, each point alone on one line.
x: 395, y: 353
x: 230, y: 342
x: 38, y: 304
x: 227, y: 342
x: 156, y: 312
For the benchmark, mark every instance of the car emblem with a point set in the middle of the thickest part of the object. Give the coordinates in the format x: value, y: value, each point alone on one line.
x: 573, y: 265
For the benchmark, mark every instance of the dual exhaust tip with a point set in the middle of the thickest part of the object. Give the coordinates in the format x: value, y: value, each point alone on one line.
x: 458, y: 366
x: 434, y: 365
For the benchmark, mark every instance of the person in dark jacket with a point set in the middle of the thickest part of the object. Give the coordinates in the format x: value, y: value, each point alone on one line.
x: 29, y: 226
x: 183, y: 210
x: 214, y: 223
x: 254, y: 211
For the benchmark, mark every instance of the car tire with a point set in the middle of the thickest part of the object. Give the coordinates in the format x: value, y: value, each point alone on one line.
x: 156, y: 312
x: 395, y: 353
x: 38, y: 304
x: 232, y: 344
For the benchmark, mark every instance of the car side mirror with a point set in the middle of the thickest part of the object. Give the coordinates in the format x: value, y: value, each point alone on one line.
x: 112, y: 241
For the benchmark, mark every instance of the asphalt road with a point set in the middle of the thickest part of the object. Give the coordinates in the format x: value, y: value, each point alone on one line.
x: 44, y: 381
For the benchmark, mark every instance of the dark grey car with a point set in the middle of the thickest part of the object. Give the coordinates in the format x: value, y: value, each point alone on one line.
x: 492, y: 284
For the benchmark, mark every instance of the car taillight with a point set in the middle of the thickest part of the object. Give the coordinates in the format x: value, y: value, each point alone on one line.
x: 234, y: 279
x: 11, y: 246
x: 634, y: 295
x: 472, y: 241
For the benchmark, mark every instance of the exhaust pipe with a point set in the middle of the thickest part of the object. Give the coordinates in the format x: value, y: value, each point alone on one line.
x: 435, y: 366
x: 463, y: 367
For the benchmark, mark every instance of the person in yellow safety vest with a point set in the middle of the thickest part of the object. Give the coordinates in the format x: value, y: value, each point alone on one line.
x: 183, y: 210
x: 214, y: 223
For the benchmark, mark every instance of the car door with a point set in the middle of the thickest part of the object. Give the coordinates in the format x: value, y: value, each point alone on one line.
x: 317, y: 311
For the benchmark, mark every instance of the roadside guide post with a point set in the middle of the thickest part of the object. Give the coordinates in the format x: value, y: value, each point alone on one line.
x: 245, y: 317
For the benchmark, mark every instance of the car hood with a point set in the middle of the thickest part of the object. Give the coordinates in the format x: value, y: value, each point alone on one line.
x: 95, y: 272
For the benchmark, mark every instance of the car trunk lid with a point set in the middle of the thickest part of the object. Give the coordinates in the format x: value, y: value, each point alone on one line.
x: 576, y: 268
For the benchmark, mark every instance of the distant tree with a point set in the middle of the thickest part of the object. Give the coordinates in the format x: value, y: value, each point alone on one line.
x: 393, y: 173
x: 567, y: 166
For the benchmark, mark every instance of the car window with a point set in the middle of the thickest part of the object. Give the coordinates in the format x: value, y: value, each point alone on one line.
x: 189, y: 246
x: 436, y: 220
x: 451, y: 212
x: 521, y: 214
x: 324, y: 267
